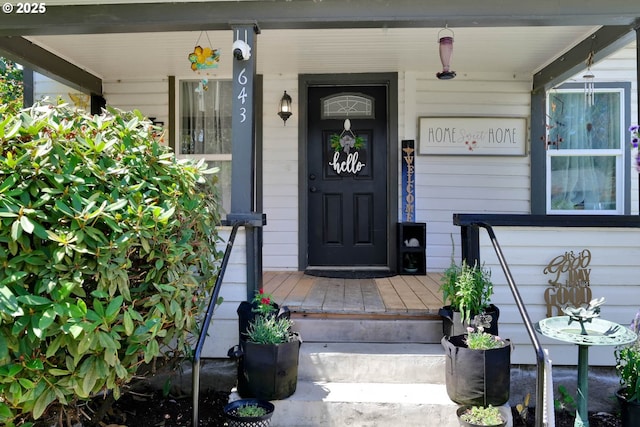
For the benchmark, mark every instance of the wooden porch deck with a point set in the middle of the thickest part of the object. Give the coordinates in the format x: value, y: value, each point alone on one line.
x: 400, y: 296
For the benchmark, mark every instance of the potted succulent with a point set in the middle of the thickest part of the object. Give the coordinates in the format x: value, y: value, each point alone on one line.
x: 268, y: 351
x: 467, y: 290
x: 628, y: 369
x: 249, y: 413
x: 478, y: 368
x: 472, y: 416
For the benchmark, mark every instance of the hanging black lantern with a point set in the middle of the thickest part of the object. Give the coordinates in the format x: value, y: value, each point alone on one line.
x: 285, y: 107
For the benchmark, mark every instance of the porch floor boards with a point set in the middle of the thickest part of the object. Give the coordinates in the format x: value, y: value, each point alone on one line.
x: 397, y: 296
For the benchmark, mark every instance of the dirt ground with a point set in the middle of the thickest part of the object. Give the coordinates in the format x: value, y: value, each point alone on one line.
x: 155, y: 410
x: 567, y: 419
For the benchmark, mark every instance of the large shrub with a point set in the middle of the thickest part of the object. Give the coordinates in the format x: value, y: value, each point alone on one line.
x: 107, y: 249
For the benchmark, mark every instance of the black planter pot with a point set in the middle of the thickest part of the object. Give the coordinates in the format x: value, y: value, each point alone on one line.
x: 477, y: 377
x: 461, y: 410
x: 629, y: 410
x: 270, y: 371
x: 234, y: 420
x: 452, y: 321
x: 265, y: 371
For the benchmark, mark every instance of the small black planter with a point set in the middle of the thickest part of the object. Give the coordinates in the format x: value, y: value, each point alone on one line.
x: 452, y: 321
x: 234, y: 420
x: 629, y: 411
x: 477, y: 377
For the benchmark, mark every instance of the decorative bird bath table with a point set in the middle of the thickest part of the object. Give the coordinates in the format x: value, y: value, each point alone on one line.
x: 582, y: 327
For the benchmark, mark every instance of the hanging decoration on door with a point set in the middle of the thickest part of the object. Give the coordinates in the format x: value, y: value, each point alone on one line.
x: 346, y: 148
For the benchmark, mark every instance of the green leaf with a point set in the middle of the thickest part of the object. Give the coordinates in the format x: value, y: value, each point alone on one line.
x: 47, y: 318
x: 8, y: 182
x: 16, y: 230
x: 14, y: 130
x: 128, y: 324
x: 62, y: 207
x: 33, y: 300
x: 151, y: 351
x: 8, y: 301
x: 26, y: 224
x: 43, y: 402
x: 26, y: 383
x: 4, y: 351
x: 114, y: 308
x: 5, y: 411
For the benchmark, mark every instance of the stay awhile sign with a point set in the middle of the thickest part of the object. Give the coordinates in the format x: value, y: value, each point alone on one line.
x: 484, y: 136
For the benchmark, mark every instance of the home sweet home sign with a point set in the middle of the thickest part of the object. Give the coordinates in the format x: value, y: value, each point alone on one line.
x: 477, y: 136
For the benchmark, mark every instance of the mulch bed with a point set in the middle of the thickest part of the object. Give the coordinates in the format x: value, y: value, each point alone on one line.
x: 567, y: 419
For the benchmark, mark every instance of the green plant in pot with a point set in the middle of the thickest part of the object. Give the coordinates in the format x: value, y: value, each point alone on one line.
x: 249, y: 413
x: 268, y: 355
x: 628, y: 370
x: 478, y: 368
x: 467, y: 290
x: 472, y: 416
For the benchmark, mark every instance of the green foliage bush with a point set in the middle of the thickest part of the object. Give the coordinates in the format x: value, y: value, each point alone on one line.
x: 11, y: 83
x: 107, y: 251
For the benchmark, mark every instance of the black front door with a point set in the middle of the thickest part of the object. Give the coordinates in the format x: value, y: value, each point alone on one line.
x: 347, y: 176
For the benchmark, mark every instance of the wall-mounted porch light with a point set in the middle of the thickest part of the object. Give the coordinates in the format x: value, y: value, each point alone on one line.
x: 446, y: 49
x: 285, y: 107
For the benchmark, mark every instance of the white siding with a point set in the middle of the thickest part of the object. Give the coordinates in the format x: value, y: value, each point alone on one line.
x: 280, y: 174
x: 45, y: 87
x: 151, y: 97
x: 465, y: 184
x: 223, y: 330
x: 614, y: 276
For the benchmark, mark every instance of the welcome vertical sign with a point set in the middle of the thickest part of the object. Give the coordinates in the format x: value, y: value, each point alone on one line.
x: 408, y: 181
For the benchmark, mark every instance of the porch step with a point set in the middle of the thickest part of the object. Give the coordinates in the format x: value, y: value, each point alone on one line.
x: 365, y: 404
x: 372, y: 362
x: 368, y: 385
x: 368, y: 373
x: 383, y: 329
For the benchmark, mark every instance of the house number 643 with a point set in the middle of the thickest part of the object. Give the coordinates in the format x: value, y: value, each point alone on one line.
x: 242, y: 79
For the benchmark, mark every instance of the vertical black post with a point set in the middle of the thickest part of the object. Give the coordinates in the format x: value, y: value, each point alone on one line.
x: 538, y: 150
x: 470, y: 241
x: 243, y: 154
x: 97, y: 103
x: 27, y: 87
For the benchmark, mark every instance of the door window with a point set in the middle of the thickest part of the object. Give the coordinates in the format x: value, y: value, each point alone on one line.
x: 347, y: 105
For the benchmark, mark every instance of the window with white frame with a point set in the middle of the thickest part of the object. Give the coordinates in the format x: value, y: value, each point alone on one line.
x: 585, y: 152
x: 205, y: 128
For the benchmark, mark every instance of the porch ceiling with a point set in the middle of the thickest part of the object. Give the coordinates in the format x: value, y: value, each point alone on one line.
x: 517, y: 51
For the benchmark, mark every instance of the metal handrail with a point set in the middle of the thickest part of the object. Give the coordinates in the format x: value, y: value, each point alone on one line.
x: 207, y: 320
x: 540, y: 356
